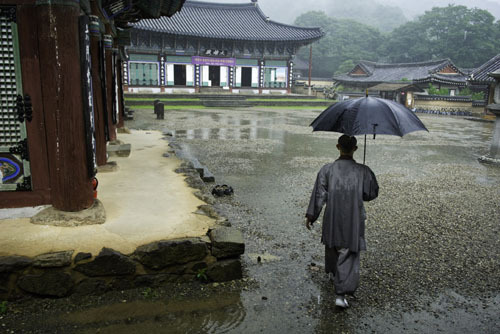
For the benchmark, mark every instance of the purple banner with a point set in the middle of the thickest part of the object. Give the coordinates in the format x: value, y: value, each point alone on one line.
x: 197, y: 60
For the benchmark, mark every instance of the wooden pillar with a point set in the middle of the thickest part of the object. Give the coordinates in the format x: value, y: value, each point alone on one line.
x: 108, y: 47
x: 58, y: 39
x: 100, y: 124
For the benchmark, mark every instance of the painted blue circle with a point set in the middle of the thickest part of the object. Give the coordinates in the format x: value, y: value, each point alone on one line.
x: 12, y: 163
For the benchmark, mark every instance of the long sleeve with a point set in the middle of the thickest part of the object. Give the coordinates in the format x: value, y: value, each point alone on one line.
x: 319, y: 196
x: 370, y: 185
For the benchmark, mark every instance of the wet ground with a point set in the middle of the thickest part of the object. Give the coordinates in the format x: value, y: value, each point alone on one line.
x: 432, y: 263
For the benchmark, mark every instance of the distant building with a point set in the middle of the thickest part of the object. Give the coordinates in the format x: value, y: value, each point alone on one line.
x: 214, y: 46
x: 403, y: 81
x: 480, y: 78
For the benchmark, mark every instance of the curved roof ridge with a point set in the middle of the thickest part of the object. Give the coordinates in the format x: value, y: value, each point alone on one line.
x: 422, y: 63
x: 197, y: 3
x: 250, y: 6
x: 486, y: 65
x: 229, y: 21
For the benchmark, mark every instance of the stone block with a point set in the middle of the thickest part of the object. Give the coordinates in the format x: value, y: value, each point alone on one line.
x: 207, y: 176
x: 82, y: 256
x: 10, y: 264
x: 227, y: 242
x: 4, y: 283
x: 108, y: 263
x: 53, y: 217
x: 56, y: 259
x: 225, y: 270
x: 51, y: 283
x: 91, y: 286
x: 161, y: 254
x: 119, y: 150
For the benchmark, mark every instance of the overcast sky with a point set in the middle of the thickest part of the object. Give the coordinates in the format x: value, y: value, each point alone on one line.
x: 286, y: 11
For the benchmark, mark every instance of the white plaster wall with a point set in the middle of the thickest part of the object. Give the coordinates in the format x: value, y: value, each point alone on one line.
x: 144, y: 90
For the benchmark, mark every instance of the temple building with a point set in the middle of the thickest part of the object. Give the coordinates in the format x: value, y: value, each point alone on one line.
x: 214, y: 47
x: 403, y: 81
x: 480, y: 77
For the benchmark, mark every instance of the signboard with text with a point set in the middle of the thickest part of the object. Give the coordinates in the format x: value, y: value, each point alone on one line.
x: 197, y: 60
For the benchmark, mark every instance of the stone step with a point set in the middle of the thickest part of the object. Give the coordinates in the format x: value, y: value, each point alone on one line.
x: 122, y: 150
x: 205, y: 174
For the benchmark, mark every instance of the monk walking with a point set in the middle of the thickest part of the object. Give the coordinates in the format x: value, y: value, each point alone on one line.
x: 343, y: 185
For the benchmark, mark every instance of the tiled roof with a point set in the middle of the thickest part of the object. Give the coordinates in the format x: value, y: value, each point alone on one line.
x: 421, y: 71
x: 390, y: 87
x: 480, y: 75
x: 228, y: 21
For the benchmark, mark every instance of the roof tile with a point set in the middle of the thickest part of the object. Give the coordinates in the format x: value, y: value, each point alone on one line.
x: 228, y: 21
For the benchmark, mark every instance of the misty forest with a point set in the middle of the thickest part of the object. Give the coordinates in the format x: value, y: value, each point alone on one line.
x: 467, y: 36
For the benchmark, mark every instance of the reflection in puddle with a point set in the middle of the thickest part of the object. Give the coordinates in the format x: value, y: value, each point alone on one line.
x: 211, y: 315
x: 252, y: 133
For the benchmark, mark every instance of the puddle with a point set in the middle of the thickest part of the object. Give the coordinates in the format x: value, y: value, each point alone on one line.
x: 210, y: 315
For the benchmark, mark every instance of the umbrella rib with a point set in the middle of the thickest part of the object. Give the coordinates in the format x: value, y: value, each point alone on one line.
x: 393, y: 113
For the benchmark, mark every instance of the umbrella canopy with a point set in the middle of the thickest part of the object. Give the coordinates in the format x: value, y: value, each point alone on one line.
x: 368, y: 115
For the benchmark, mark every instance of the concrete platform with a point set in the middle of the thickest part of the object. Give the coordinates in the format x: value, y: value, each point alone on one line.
x: 144, y: 200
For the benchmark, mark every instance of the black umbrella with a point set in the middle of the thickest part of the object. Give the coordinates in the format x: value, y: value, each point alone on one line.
x: 368, y: 115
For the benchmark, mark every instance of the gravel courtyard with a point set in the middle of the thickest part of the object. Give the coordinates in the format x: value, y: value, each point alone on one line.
x: 433, y: 259
x: 433, y: 234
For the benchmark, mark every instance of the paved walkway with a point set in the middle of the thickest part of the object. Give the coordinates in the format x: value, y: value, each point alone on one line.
x: 145, y: 201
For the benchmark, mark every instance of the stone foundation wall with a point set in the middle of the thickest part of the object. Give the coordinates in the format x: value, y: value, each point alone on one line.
x: 445, y: 107
x: 215, y: 257
x: 478, y: 110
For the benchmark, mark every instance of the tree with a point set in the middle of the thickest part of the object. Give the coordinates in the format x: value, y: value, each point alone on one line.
x: 468, y: 37
x: 369, y: 12
x: 344, y: 40
x: 345, y: 67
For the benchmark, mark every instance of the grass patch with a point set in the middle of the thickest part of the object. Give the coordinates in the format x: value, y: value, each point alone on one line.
x: 287, y: 100
x: 168, y: 107
x: 3, y: 307
x: 162, y: 100
x: 292, y: 107
x: 174, y: 107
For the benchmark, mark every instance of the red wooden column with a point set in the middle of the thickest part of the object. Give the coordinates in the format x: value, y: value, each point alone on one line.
x: 108, y: 47
x: 100, y: 125
x: 60, y: 73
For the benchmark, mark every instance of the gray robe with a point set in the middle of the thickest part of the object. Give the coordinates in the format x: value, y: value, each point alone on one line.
x: 343, y: 185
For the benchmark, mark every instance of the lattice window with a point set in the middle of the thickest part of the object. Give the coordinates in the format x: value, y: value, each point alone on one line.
x: 10, y: 131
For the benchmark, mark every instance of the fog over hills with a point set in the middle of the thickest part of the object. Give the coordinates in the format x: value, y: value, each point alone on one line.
x: 373, y: 12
